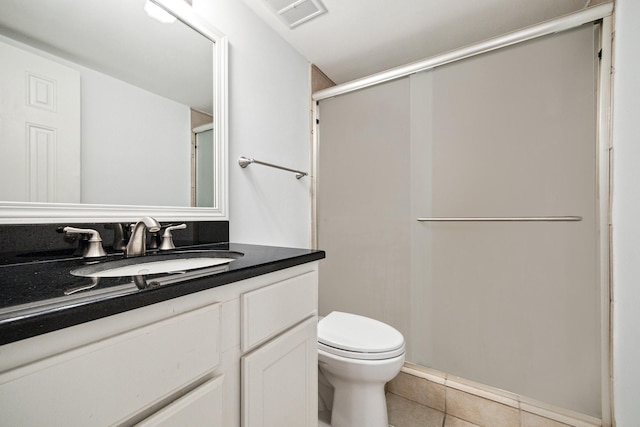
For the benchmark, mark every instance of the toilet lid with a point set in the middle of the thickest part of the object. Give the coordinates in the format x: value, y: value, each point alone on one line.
x: 359, y: 334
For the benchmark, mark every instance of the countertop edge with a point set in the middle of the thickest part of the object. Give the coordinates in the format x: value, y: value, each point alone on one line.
x: 28, y: 326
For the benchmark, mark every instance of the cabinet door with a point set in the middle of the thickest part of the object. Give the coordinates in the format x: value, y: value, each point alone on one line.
x: 198, y: 408
x: 280, y: 380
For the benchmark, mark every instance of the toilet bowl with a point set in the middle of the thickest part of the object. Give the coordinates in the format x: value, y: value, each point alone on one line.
x: 357, y: 356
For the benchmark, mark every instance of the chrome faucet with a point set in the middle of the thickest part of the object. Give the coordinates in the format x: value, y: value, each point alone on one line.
x: 137, y: 245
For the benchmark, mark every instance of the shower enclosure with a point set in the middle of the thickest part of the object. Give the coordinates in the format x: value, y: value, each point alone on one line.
x: 462, y: 206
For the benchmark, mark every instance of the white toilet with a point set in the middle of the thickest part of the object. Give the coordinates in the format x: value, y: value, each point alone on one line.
x: 357, y: 356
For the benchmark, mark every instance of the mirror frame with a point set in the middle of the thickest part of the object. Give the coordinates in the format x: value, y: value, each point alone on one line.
x: 38, y: 213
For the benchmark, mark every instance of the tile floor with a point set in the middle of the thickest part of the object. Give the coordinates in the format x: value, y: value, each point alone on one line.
x: 407, y: 413
x: 417, y: 402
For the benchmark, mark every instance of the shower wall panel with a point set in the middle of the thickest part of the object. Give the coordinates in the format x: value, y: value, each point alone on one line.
x: 363, y: 204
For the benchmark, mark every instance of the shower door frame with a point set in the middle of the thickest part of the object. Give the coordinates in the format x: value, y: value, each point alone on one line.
x: 603, y: 13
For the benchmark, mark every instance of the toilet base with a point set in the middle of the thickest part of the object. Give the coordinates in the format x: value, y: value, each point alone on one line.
x: 324, y: 419
x: 359, y: 405
x: 358, y: 388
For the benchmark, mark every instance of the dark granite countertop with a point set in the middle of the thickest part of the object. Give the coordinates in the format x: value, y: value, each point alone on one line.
x: 33, y: 300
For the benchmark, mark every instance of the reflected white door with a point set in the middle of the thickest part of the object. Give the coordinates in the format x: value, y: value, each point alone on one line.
x: 39, y: 128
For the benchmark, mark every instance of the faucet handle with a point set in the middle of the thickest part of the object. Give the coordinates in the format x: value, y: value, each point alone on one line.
x: 94, y: 248
x: 167, y: 237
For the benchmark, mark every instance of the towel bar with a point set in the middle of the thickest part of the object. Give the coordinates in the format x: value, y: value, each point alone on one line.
x: 516, y: 218
x: 244, y: 162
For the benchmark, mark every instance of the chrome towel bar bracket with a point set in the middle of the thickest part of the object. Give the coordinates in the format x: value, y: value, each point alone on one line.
x: 244, y: 162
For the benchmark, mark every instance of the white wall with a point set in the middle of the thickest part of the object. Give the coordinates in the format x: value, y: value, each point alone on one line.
x: 269, y: 120
x: 145, y: 165
x: 626, y: 215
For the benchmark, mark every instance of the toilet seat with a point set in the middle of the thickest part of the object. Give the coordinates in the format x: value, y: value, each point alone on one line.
x: 358, y: 337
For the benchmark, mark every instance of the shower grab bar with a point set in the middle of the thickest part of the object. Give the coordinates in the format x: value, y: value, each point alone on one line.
x: 495, y: 219
x: 244, y: 162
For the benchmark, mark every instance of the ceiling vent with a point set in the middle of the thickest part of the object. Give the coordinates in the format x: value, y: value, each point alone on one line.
x: 294, y: 13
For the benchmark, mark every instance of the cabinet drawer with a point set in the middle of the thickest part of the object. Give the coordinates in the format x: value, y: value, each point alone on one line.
x: 270, y: 310
x: 108, y: 381
x: 201, y: 407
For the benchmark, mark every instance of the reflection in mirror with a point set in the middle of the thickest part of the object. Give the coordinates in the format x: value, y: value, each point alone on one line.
x: 100, y: 103
x: 204, y: 192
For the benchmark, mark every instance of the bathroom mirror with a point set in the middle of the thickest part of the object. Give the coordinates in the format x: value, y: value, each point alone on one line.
x: 136, y: 90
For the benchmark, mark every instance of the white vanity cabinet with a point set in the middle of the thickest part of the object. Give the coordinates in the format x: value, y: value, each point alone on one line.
x: 173, y: 363
x: 279, y: 374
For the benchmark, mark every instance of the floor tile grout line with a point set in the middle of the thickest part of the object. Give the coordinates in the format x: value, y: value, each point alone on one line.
x: 444, y: 406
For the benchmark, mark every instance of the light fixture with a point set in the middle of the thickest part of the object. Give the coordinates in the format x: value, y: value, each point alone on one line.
x: 158, y: 13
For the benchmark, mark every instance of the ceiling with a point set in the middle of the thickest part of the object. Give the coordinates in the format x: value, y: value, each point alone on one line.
x: 357, y: 38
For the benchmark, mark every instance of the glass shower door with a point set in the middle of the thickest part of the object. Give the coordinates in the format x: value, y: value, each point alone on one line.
x: 509, y: 296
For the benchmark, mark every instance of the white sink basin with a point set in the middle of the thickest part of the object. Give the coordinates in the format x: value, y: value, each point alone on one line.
x: 157, y: 264
x: 157, y: 267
